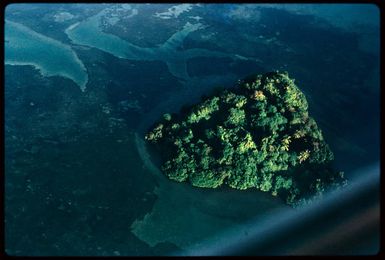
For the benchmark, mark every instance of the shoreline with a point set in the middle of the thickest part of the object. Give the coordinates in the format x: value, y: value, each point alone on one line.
x: 46, y: 73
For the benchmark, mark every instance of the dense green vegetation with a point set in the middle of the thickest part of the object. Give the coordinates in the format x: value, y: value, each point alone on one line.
x: 256, y: 135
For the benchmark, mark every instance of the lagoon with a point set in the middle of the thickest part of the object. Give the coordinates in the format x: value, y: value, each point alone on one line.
x: 89, y: 33
x: 23, y: 46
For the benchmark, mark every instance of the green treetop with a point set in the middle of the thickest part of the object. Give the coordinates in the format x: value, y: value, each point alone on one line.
x: 256, y: 135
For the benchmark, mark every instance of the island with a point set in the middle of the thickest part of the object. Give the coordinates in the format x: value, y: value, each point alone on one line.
x: 257, y: 134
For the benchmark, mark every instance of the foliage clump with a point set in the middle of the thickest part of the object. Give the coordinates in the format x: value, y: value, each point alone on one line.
x: 256, y: 135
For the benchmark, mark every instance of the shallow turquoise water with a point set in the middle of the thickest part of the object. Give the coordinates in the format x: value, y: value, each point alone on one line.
x: 90, y: 33
x: 24, y: 46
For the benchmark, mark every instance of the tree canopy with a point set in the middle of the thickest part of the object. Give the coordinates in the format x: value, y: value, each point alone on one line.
x: 256, y: 135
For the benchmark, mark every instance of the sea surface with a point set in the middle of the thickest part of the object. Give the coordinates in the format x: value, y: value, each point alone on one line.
x: 24, y: 46
x: 77, y: 163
